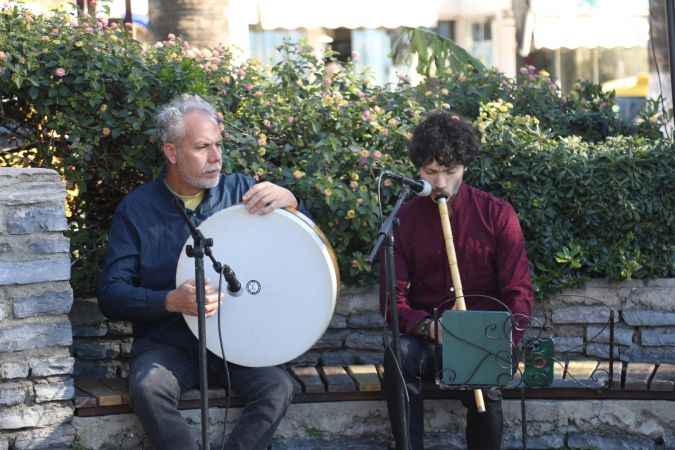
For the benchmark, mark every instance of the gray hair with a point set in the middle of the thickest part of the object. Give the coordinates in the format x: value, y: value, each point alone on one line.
x: 171, y: 117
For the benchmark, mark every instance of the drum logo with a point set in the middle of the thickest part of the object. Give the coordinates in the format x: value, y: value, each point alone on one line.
x: 253, y: 287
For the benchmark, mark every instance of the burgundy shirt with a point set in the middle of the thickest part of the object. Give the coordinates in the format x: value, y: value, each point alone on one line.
x: 490, y: 252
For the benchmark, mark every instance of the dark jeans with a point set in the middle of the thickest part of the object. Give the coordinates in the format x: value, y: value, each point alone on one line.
x: 483, y: 430
x: 161, y: 373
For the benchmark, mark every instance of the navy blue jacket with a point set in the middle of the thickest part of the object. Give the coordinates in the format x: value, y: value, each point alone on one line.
x: 146, y: 238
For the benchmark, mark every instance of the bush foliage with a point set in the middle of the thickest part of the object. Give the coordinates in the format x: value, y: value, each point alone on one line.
x: 593, y: 193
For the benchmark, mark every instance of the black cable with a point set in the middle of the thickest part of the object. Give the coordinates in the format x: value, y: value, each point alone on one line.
x: 228, y: 386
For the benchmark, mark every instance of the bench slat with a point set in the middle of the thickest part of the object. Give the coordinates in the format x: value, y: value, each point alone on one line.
x: 637, y: 376
x: 84, y: 400
x: 559, y: 374
x: 664, y: 378
x: 365, y: 376
x: 601, y: 374
x: 337, y: 379
x: 580, y: 373
x: 104, y: 395
x: 309, y: 378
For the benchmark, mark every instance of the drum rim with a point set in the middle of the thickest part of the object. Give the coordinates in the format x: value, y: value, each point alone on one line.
x: 320, y: 240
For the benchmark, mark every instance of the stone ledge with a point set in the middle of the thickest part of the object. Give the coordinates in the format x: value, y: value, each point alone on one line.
x: 366, y: 424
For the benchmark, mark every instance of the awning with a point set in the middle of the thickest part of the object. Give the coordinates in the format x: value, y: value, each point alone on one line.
x: 586, y: 23
x: 294, y: 14
x: 473, y: 8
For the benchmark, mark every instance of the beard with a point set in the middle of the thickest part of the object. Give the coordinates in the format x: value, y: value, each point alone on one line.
x: 197, y: 181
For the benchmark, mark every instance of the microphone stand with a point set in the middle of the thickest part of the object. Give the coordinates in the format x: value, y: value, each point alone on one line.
x: 201, y: 246
x: 386, y: 237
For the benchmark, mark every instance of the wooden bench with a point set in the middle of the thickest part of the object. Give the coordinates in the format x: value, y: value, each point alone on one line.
x: 574, y: 380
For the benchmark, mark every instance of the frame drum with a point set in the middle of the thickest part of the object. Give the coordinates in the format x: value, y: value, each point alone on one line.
x: 289, y: 283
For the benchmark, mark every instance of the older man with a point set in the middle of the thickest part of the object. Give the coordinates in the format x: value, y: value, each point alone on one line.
x: 138, y: 282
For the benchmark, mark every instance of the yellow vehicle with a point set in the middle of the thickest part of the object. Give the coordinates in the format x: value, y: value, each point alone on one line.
x: 631, y: 94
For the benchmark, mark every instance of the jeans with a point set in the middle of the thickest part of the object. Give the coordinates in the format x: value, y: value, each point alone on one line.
x: 159, y: 375
x: 483, y: 430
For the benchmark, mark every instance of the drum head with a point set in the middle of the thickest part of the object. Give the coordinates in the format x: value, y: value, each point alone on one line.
x: 289, y: 280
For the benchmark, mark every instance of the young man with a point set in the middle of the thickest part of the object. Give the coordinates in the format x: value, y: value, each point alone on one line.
x: 138, y: 282
x: 492, y: 262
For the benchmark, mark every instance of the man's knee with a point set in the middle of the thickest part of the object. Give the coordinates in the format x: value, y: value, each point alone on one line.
x: 152, y: 383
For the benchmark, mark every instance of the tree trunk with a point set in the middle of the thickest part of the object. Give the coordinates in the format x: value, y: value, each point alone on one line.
x: 659, y: 60
x: 203, y: 23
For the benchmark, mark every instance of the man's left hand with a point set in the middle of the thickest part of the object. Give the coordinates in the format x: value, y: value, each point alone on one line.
x: 265, y: 197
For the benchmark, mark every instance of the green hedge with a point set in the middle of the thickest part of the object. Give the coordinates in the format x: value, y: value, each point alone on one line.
x: 83, y: 98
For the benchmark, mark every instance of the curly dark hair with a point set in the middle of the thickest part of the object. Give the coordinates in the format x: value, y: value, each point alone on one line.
x: 445, y: 138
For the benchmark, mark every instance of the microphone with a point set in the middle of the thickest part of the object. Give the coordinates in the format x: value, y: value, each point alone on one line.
x: 233, y: 285
x: 419, y: 187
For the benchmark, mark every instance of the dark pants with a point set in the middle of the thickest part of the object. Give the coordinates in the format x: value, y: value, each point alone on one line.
x: 160, y: 374
x: 483, y: 430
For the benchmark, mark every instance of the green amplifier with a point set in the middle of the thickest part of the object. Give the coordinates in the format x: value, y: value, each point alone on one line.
x: 476, y: 348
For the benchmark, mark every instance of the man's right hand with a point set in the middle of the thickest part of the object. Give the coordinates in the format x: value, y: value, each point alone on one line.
x: 183, y: 299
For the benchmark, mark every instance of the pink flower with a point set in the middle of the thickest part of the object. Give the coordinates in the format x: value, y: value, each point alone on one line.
x: 60, y: 72
x: 3, y: 56
x: 377, y: 154
x: 291, y: 119
x: 248, y: 86
x: 172, y: 37
x: 365, y: 114
x: 355, y: 55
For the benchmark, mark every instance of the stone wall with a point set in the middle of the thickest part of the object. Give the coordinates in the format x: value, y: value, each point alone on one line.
x: 552, y: 424
x: 578, y: 320
x: 36, y: 383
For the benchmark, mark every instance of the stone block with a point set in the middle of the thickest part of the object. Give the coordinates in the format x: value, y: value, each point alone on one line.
x: 581, y: 314
x: 52, y: 365
x: 120, y: 328
x: 658, y: 336
x: 361, y: 340
x: 35, y: 271
x: 602, y: 442
x: 100, y: 369
x: 600, y: 334
x: 358, y: 300
x: 602, y: 351
x: 13, y: 393
x: 25, y: 186
x: 35, y: 219
x: 306, y: 359
x: 13, y: 369
x: 569, y: 330
x: 46, y: 246
x: 51, y: 391
x: 331, y: 340
x: 96, y: 330
x: 61, y: 436
x: 338, y: 321
x: 364, y: 357
x: 85, y: 311
x: 369, y: 319
x: 126, y: 346
x: 27, y: 335
x: 636, y: 353
x: 46, y: 303
x: 95, y: 350
x: 568, y: 344
x: 338, y: 358
x: 543, y: 442
x: 16, y: 417
x: 649, y: 318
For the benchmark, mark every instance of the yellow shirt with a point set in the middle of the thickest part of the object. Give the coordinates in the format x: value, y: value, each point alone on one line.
x: 191, y: 201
